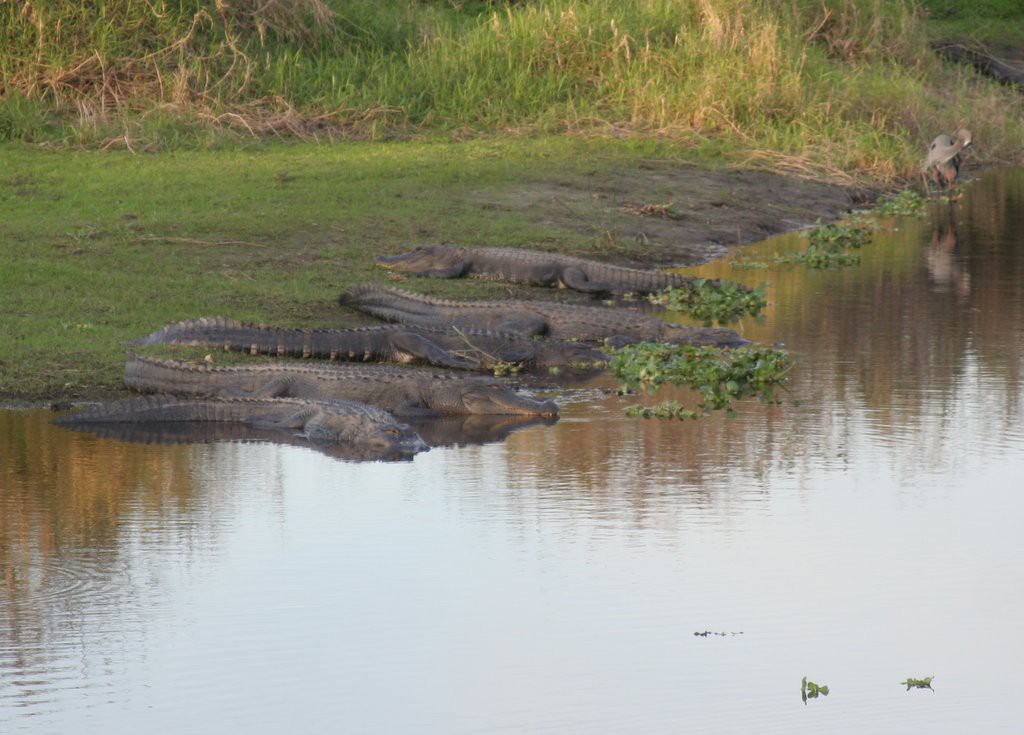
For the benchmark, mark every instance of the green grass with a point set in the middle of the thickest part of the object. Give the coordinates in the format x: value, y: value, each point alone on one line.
x: 842, y: 88
x: 100, y: 247
x: 999, y: 22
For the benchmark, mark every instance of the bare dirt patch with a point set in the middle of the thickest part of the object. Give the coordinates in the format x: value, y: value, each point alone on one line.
x: 673, y: 214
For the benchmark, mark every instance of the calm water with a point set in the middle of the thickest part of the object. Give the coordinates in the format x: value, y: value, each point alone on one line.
x: 865, y: 531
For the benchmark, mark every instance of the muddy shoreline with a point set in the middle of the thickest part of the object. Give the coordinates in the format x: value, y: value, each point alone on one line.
x: 660, y: 214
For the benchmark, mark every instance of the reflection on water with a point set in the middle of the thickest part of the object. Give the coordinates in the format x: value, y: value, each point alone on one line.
x: 436, y: 432
x: 861, y: 533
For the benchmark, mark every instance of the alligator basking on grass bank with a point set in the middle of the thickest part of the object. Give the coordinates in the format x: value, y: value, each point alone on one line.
x: 398, y: 390
x: 532, y: 267
x: 531, y: 318
x: 441, y: 346
x: 366, y: 432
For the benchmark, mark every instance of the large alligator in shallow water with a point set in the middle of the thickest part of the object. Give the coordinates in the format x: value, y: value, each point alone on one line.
x: 399, y: 390
x: 442, y: 345
x: 532, y: 267
x: 531, y: 318
x: 369, y: 432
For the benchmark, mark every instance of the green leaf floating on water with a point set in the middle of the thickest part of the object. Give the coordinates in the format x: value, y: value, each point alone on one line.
x: 723, y: 302
x: 810, y: 690
x: 908, y: 203
x: 718, y: 375
x: 912, y: 683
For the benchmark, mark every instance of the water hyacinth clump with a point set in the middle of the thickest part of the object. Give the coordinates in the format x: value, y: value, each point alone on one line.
x: 829, y: 247
x: 721, y: 302
x: 719, y: 376
x: 908, y: 203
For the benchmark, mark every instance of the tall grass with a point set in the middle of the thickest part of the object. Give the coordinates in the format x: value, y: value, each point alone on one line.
x: 825, y: 87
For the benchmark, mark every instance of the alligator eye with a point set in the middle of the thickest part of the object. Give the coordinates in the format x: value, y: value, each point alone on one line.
x: 392, y: 431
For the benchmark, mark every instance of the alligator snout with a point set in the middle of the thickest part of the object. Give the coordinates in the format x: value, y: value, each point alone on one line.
x: 498, y: 399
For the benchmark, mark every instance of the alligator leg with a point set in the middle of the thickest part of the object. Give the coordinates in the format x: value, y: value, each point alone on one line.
x: 274, y: 388
x: 296, y: 420
x: 419, y: 347
x: 577, y: 280
x: 490, y: 357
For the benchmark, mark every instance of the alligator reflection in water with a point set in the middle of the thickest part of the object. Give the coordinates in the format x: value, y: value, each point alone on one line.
x: 369, y: 432
x: 201, y: 432
x: 460, y: 431
x: 440, y: 432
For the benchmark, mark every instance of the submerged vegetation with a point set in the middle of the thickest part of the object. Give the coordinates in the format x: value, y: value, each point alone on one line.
x: 843, y: 89
x: 718, y: 376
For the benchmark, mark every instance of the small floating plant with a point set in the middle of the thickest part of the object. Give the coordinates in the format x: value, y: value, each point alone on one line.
x: 719, y: 376
x: 908, y: 203
x: 810, y: 690
x: 830, y: 246
x: 924, y: 683
x: 722, y: 302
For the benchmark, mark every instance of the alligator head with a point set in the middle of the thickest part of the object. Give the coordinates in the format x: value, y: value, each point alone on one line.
x: 485, y: 396
x: 425, y: 260
x: 375, y: 430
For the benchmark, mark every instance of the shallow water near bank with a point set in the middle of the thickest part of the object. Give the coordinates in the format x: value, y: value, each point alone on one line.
x: 863, y: 532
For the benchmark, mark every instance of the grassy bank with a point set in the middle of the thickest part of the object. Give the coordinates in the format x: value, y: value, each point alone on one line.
x: 433, y: 105
x: 841, y: 88
x: 997, y: 24
x: 103, y: 246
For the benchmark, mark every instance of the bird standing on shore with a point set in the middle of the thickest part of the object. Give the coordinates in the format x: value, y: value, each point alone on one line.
x: 942, y: 165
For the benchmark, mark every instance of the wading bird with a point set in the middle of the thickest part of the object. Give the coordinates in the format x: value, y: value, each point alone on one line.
x: 943, y: 163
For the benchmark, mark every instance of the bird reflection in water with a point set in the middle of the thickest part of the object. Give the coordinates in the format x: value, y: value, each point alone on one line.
x: 945, y: 271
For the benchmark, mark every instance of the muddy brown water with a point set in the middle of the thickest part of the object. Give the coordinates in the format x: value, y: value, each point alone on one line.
x: 556, y: 578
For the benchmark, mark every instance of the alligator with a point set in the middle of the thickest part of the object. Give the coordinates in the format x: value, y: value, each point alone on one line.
x: 399, y: 390
x: 533, y: 267
x: 442, y: 346
x: 367, y: 430
x: 531, y: 318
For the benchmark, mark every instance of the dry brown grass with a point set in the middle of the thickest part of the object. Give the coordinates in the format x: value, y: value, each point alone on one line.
x: 198, y: 59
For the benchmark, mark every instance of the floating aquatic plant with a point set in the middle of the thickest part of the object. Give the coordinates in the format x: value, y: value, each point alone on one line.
x: 723, y: 302
x: 829, y: 246
x: 912, y: 683
x: 810, y: 690
x: 720, y: 376
x: 908, y: 203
